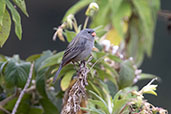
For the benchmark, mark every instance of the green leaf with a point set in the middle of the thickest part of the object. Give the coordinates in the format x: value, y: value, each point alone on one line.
x: 144, y: 76
x: 98, y: 19
x: 2, y: 10
x: 35, y: 110
x: 40, y: 82
x: 77, y: 7
x: 101, y: 99
x: 122, y: 98
x: 66, y: 80
x: 93, y: 110
x: 5, y: 29
x: 52, y: 60
x: 21, y: 4
x: 23, y: 107
x: 48, y: 106
x: 16, y: 18
x: 114, y: 58
x: 42, y: 58
x: 69, y: 35
x: 16, y: 74
x: 33, y: 57
x: 127, y: 74
x: 100, y: 104
x: 95, y: 88
x: 115, y: 5
x: 135, y: 46
x: 123, y: 11
x: 65, y: 70
x: 144, y: 12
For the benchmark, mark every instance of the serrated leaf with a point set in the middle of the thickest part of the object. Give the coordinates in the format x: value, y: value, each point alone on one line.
x: 77, y: 7
x: 48, y: 106
x: 2, y: 10
x: 126, y: 74
x: 21, y: 4
x: 65, y: 82
x: 16, y: 74
x: 16, y: 18
x: 5, y: 29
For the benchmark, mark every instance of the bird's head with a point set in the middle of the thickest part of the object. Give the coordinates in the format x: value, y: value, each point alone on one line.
x: 89, y: 33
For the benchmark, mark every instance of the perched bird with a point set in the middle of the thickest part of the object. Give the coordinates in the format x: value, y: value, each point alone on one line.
x: 78, y: 49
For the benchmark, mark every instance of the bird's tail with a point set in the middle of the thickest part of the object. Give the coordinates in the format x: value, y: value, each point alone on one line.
x: 57, y: 73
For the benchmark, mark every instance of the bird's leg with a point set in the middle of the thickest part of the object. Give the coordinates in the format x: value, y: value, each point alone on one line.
x: 75, y: 66
x: 83, y: 62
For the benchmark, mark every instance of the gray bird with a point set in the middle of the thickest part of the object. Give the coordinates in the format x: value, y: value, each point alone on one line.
x: 78, y: 49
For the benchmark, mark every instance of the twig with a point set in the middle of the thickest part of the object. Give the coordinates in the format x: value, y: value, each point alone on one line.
x: 4, y: 110
x: 3, y: 102
x: 97, y: 61
x: 24, y: 90
x: 164, y: 13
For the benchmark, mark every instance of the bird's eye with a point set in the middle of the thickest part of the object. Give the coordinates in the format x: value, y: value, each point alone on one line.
x: 89, y: 32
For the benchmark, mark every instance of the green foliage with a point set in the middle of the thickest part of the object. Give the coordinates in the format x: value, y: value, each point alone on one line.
x: 5, y: 20
x: 5, y: 29
x: 111, y: 80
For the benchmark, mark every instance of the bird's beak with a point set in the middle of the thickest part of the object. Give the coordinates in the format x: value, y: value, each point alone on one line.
x: 93, y: 34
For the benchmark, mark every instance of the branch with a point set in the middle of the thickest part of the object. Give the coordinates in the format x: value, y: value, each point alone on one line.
x: 24, y: 90
x: 5, y: 101
x: 165, y: 14
x: 77, y: 92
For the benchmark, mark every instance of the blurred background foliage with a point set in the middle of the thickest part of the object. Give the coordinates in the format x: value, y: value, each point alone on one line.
x: 125, y: 33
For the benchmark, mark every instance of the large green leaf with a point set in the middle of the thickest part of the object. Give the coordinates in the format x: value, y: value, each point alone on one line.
x: 16, y: 73
x: 2, y: 10
x: 52, y: 60
x: 98, y: 19
x: 5, y: 29
x: 135, y: 46
x: 42, y: 58
x: 127, y: 74
x: 66, y: 80
x: 144, y: 12
x: 123, y: 11
x: 77, y: 7
x: 16, y: 18
x: 21, y: 4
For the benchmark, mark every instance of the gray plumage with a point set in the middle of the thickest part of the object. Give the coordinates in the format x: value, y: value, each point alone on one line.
x: 78, y: 49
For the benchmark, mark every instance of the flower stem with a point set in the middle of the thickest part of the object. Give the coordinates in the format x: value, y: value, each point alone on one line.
x: 86, y: 21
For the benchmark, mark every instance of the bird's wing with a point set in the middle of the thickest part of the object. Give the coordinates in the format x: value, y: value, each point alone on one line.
x: 74, y: 49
